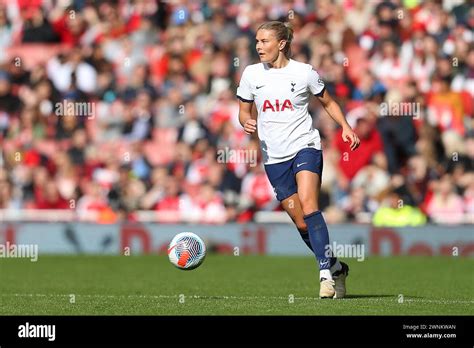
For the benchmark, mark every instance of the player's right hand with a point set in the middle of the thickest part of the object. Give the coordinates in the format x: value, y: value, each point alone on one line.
x: 250, y: 126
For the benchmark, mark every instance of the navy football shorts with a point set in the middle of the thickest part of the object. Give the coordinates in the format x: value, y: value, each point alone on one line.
x: 282, y: 175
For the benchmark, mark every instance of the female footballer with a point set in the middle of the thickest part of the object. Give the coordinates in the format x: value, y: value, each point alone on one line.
x: 280, y: 88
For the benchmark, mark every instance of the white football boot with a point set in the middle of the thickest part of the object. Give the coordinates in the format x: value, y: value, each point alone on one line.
x: 340, y: 281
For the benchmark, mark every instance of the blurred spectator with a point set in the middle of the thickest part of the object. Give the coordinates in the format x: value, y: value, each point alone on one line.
x: 359, y: 15
x: 369, y: 152
x: 170, y: 201
x: 36, y: 27
x: 68, y: 25
x: 368, y: 87
x: 372, y: 179
x: 417, y: 179
x: 170, y: 204
x: 445, y: 206
x: 7, y: 199
x: 77, y: 150
x: 193, y: 128
x: 205, y: 207
x: 6, y: 31
x: 71, y: 74
x: 156, y: 188
x: 50, y: 197
x: 445, y: 107
x: 9, y: 101
x: 138, y: 162
x: 116, y: 194
x: 469, y: 201
x: 395, y: 213
x: 356, y: 204
x: 398, y: 131
x: 257, y: 192
x: 464, y: 80
x: 93, y: 199
x: 387, y: 65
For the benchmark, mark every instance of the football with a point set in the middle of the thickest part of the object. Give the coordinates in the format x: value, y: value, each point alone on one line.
x: 186, y: 251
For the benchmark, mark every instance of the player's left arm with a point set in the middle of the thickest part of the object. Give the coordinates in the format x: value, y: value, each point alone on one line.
x: 333, y: 109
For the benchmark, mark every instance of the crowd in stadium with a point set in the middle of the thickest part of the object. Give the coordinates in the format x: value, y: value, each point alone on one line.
x: 159, y: 81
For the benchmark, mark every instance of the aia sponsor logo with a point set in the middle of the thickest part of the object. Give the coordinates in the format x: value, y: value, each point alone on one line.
x: 277, y: 105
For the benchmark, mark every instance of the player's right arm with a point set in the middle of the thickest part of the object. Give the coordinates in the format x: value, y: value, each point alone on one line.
x: 247, y: 118
x: 247, y: 111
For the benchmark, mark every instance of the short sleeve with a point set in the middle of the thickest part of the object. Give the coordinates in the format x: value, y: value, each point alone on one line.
x: 244, y: 91
x: 316, y: 84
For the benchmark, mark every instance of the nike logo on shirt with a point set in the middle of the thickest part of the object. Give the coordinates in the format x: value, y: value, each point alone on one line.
x: 300, y: 164
x: 258, y: 87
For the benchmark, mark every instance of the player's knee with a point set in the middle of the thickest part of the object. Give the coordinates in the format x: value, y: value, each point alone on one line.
x: 308, y: 205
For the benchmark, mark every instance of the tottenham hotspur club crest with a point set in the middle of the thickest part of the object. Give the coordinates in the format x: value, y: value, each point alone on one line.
x: 293, y: 86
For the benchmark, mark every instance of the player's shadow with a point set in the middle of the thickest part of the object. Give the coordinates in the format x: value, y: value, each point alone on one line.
x: 376, y: 296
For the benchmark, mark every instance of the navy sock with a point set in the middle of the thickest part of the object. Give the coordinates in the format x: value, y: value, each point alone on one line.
x: 305, y: 238
x: 319, y: 237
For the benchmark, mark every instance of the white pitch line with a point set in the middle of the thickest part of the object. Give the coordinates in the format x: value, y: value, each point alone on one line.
x: 358, y: 299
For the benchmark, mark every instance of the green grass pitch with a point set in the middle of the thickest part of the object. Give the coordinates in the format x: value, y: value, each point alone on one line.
x: 232, y: 285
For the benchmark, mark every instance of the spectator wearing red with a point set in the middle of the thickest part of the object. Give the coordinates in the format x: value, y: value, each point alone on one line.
x: 92, y: 200
x: 170, y: 201
x: 257, y: 190
x: 68, y: 25
x: 169, y: 206
x: 370, y: 149
x: 51, y: 199
x: 206, y: 207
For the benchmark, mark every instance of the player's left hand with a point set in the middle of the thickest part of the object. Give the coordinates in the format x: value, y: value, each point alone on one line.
x: 349, y: 135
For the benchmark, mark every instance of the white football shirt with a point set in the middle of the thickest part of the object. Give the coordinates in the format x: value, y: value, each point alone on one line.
x: 281, y: 97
